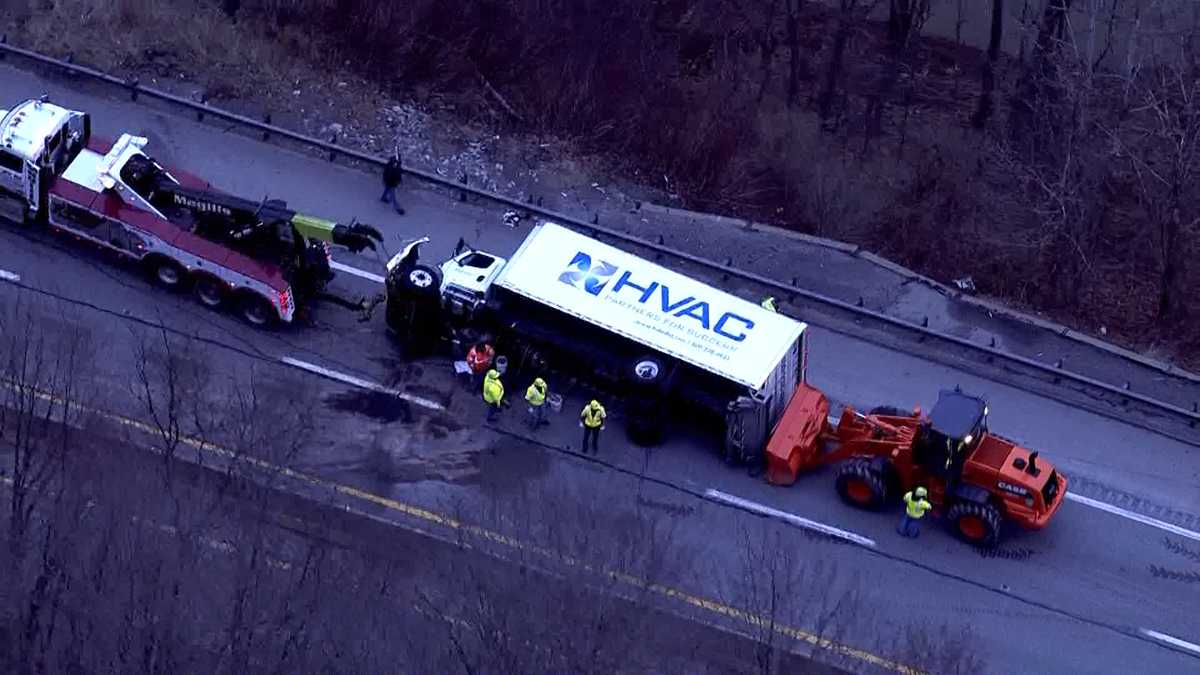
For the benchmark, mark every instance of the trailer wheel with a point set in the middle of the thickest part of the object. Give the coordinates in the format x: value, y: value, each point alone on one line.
x: 862, y: 485
x: 646, y: 423
x: 975, y: 523
x: 167, y: 273
x: 648, y: 371
x: 209, y: 292
x: 256, y: 311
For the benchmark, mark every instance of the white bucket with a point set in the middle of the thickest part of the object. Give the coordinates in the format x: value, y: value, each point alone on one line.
x: 555, y: 401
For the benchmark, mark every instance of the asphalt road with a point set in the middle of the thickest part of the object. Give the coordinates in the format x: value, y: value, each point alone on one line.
x: 1079, y: 596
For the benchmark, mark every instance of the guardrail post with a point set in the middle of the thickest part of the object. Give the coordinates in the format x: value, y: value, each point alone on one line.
x: 133, y: 89
x: 332, y: 141
x: 595, y: 218
x: 463, y: 179
x: 861, y: 301
x: 925, y: 321
x: 3, y: 41
x: 266, y: 133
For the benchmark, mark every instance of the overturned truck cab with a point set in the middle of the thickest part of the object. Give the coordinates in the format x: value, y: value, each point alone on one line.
x: 652, y: 337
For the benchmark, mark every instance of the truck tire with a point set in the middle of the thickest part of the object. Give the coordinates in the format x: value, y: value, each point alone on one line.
x: 421, y: 281
x: 257, y: 311
x: 646, y: 422
x: 167, y: 273
x: 890, y: 411
x: 862, y: 485
x: 975, y: 523
x: 209, y: 292
x: 648, y: 373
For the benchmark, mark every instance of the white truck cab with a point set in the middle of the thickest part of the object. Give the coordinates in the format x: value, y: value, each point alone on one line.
x: 466, y: 278
x: 37, y: 141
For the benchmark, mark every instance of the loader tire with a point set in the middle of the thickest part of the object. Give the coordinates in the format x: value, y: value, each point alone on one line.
x: 862, y: 485
x: 975, y: 523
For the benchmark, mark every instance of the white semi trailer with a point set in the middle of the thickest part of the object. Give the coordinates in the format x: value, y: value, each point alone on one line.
x: 569, y: 303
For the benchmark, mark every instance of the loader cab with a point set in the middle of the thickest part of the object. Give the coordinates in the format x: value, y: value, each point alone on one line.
x: 951, y: 433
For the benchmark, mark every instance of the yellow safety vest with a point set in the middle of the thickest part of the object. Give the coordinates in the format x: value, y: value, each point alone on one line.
x: 592, y: 418
x: 535, y: 396
x: 915, y: 508
x: 493, y: 390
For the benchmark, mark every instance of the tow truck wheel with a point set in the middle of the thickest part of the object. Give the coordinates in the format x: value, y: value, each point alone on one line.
x: 860, y: 484
x: 209, y: 292
x: 976, y: 523
x: 257, y: 311
x: 167, y: 273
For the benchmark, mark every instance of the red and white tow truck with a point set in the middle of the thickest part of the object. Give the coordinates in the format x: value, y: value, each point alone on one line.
x: 259, y: 257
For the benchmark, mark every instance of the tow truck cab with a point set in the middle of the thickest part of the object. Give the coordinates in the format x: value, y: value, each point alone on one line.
x: 38, y: 140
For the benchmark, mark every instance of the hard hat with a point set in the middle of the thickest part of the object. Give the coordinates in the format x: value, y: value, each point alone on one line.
x: 493, y: 374
x: 920, y: 492
x: 540, y: 383
x: 594, y: 404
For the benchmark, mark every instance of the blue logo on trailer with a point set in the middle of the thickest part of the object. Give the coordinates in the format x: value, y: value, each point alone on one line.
x: 594, y: 276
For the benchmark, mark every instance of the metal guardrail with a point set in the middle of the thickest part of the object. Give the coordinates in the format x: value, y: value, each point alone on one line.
x: 1057, y: 371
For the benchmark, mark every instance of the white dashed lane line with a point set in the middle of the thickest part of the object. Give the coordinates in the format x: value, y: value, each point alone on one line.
x: 5, y: 275
x: 1173, y: 641
x: 370, y: 276
x: 789, y: 518
x: 1136, y: 517
x: 360, y: 383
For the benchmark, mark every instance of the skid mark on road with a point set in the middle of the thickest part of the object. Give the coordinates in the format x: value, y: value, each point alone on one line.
x: 1136, y: 517
x: 459, y: 528
x: 792, y: 518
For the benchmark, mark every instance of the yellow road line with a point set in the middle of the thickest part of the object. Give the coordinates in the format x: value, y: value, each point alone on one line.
x: 699, y: 602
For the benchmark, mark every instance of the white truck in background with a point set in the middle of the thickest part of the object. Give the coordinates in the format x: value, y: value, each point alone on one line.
x: 566, y: 303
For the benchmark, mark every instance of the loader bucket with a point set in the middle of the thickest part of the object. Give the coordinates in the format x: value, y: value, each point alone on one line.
x: 796, y: 442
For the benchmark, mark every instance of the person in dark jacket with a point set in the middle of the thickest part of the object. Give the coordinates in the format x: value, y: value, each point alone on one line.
x: 393, y: 173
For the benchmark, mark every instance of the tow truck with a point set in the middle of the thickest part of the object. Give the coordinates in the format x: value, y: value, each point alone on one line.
x: 261, y: 258
x: 566, y: 302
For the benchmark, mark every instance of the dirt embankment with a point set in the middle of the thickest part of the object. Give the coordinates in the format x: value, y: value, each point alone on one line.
x: 1074, y: 197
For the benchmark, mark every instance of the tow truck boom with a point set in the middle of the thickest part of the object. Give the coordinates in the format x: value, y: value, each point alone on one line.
x: 229, y: 218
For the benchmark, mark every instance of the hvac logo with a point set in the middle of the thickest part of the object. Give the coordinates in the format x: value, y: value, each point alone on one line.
x: 594, y: 276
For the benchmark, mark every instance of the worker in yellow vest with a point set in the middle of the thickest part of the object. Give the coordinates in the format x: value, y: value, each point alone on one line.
x: 493, y: 393
x: 915, y: 506
x: 591, y: 418
x: 535, y: 396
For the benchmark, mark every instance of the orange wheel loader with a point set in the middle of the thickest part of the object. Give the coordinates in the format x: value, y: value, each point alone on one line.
x: 976, y: 479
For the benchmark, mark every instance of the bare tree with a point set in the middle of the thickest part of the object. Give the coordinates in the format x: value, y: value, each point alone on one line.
x: 1160, y: 141
x: 988, y: 74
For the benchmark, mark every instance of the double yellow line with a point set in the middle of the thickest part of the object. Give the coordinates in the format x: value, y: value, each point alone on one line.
x: 756, y: 621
